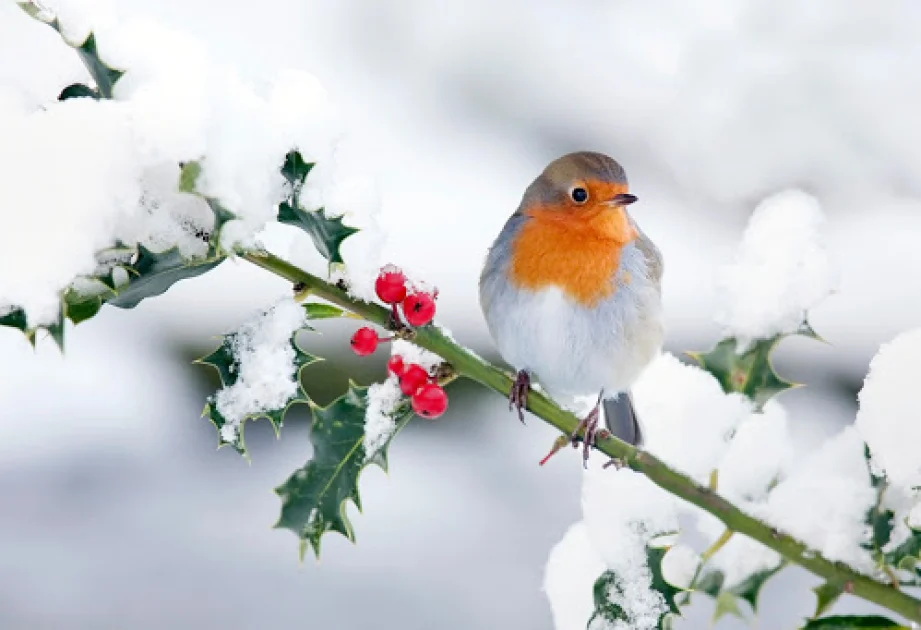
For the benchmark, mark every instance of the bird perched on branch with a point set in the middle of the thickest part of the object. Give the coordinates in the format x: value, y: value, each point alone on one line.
x: 571, y: 292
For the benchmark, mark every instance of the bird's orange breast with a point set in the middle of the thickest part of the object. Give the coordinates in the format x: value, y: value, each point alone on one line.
x: 578, y: 253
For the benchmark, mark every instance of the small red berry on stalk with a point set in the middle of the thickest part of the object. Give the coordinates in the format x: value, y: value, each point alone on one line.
x: 390, y: 285
x: 364, y: 341
x: 395, y: 365
x: 412, y: 379
x: 419, y: 308
x: 430, y: 401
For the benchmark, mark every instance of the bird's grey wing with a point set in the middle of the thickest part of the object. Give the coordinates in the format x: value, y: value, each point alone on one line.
x: 652, y: 254
x: 497, y: 259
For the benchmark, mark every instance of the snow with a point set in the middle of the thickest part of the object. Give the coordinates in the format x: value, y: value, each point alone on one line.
x: 383, y: 399
x: 781, y: 270
x: 113, y: 166
x: 825, y: 500
x: 679, y: 565
x: 888, y: 417
x: 569, y: 577
x: 265, y: 367
x: 411, y: 353
x: 68, y: 176
x: 687, y: 418
x: 760, y: 453
x: 623, y: 511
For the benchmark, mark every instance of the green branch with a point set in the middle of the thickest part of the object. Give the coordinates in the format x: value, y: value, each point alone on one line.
x: 471, y: 366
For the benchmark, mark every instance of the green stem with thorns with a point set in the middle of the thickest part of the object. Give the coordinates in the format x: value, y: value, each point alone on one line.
x: 468, y: 365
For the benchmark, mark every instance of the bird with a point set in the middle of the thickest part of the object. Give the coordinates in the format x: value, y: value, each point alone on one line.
x: 571, y: 293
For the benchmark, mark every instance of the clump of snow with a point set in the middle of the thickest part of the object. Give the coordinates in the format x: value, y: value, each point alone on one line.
x: 759, y: 454
x: 571, y: 572
x: 383, y: 399
x: 679, y: 565
x: 687, y: 418
x: 411, y: 353
x: 113, y: 165
x: 623, y: 511
x: 825, y: 500
x: 888, y: 417
x: 265, y: 366
x: 781, y: 270
x: 68, y: 177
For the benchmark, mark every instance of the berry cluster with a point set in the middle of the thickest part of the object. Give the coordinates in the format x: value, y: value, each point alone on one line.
x: 429, y: 399
x: 418, y: 306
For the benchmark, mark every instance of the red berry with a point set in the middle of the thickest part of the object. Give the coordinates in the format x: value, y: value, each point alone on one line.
x: 390, y: 285
x: 364, y: 341
x: 419, y: 308
x: 430, y: 401
x: 395, y: 365
x: 412, y: 379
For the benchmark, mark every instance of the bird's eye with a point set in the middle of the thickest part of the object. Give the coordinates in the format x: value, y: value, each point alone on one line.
x: 579, y: 194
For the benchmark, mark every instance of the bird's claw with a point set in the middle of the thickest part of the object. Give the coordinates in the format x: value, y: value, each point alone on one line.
x: 588, y: 426
x: 518, y: 396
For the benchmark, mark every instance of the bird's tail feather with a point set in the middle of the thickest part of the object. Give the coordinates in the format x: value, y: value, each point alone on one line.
x: 620, y: 418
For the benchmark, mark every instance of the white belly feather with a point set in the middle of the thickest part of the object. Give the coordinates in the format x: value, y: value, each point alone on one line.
x: 574, y: 350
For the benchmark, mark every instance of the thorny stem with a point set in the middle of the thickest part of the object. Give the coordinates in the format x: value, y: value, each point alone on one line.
x: 467, y: 364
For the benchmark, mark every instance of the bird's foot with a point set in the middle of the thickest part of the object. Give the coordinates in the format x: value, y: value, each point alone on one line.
x: 588, y: 427
x: 518, y: 396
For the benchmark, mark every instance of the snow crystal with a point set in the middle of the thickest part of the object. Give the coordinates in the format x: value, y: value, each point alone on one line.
x: 825, y: 500
x: 888, y: 417
x: 571, y: 572
x: 687, y: 418
x: 781, y: 270
x: 759, y: 454
x: 679, y: 565
x: 266, y: 373
x: 623, y: 511
x: 379, y: 423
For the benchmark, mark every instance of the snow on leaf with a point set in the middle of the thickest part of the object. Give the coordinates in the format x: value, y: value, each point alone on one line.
x: 326, y: 233
x: 78, y: 90
x: 226, y: 359
x: 315, y: 497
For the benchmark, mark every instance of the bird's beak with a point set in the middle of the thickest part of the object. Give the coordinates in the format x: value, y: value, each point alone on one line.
x: 623, y: 199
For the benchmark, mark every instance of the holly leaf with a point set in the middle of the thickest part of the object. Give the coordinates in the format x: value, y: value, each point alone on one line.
x: 104, y: 76
x: 906, y: 555
x: 315, y: 497
x: 152, y: 273
x: 327, y: 233
x: 608, y: 588
x: 750, y: 373
x: 826, y: 595
x: 853, y: 622
x: 749, y: 588
x: 14, y: 317
x: 225, y: 361
x: 726, y: 604
x: 319, y: 310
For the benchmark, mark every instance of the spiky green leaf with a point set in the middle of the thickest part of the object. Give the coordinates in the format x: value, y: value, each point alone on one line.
x: 14, y: 318
x: 315, y: 497
x: 750, y: 373
x: 608, y: 588
x: 152, y: 273
x: 726, y: 604
x: 104, y: 76
x: 749, y: 588
x: 326, y: 233
x: 295, y: 170
x: 853, y: 622
x: 226, y: 362
x: 826, y: 595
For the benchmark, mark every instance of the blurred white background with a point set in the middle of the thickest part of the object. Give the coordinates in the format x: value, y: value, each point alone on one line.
x: 117, y: 512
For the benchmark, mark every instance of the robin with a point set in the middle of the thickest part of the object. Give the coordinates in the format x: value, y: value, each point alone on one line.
x: 571, y: 292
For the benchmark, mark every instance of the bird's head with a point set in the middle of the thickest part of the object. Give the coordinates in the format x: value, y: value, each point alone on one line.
x: 584, y: 191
